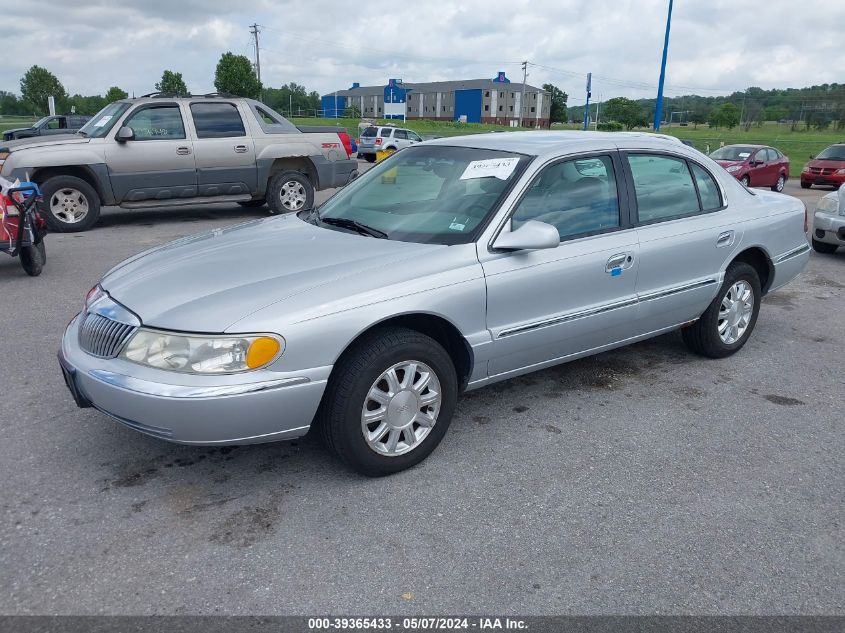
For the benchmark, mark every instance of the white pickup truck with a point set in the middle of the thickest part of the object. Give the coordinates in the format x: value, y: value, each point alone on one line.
x: 163, y: 151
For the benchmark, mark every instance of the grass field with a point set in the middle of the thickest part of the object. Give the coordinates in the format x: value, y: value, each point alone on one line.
x: 9, y: 122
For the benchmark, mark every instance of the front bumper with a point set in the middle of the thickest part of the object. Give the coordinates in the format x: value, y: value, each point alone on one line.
x: 829, y: 228
x: 831, y: 180
x: 250, y: 408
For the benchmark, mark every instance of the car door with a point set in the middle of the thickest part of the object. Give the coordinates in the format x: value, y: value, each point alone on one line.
x: 225, y: 154
x: 56, y: 125
x: 772, y: 166
x: 685, y: 236
x: 400, y: 139
x: 385, y: 139
x: 546, y: 305
x: 158, y: 162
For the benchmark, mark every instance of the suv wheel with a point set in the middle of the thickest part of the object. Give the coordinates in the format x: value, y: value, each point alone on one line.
x: 69, y: 204
x: 389, y: 401
x: 289, y: 192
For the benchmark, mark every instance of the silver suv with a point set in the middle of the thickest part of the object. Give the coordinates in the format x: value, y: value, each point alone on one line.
x: 385, y: 137
x: 161, y: 151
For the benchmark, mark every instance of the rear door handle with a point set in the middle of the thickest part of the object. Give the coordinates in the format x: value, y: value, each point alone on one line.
x: 240, y: 149
x: 725, y: 238
x: 182, y: 151
x: 618, y: 261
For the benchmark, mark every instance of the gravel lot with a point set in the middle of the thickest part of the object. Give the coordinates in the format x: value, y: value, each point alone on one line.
x: 643, y: 480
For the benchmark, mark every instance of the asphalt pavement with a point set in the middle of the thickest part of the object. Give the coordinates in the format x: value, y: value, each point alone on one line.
x: 641, y: 481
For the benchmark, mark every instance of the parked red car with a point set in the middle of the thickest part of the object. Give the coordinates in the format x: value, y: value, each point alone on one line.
x: 754, y: 165
x: 828, y: 168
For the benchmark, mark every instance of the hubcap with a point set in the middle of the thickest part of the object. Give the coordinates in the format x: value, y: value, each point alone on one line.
x: 735, y: 312
x: 781, y: 183
x: 401, y: 408
x: 292, y: 195
x: 69, y: 205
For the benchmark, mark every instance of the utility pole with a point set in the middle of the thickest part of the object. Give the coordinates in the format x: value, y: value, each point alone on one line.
x: 587, y: 105
x: 254, y: 32
x: 522, y: 98
x: 658, y: 108
x: 598, y: 109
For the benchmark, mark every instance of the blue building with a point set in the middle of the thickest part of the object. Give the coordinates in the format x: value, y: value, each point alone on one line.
x: 494, y: 100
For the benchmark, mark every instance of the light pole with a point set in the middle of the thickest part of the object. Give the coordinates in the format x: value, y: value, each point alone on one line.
x: 658, y: 107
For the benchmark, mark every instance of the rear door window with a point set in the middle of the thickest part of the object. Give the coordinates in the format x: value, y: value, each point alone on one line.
x: 711, y: 199
x: 217, y: 120
x: 401, y: 134
x: 386, y: 132
x: 664, y: 187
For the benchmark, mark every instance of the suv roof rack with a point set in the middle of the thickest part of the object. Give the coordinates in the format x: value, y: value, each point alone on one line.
x: 173, y: 95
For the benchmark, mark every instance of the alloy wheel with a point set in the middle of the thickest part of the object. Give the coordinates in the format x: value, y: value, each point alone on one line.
x: 401, y: 408
x: 735, y: 312
x: 293, y: 195
x: 69, y: 205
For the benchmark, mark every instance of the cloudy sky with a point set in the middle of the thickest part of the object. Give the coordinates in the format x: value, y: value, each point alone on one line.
x: 717, y: 46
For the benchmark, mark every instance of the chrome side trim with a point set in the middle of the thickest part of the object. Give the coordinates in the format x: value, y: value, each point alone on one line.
x: 671, y: 291
x: 567, y: 317
x: 795, y: 252
x: 162, y: 390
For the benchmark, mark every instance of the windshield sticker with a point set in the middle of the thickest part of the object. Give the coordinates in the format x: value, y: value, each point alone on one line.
x: 744, y: 154
x: 103, y: 121
x: 500, y: 168
x: 457, y: 226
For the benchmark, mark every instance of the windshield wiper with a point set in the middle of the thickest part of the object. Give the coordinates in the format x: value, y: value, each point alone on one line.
x: 355, y: 225
x: 81, y: 133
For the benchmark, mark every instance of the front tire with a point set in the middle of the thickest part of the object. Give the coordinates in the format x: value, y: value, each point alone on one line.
x: 745, y: 181
x: 824, y: 247
x: 730, y: 318
x: 69, y: 204
x: 779, y: 185
x: 290, y: 192
x: 389, y: 401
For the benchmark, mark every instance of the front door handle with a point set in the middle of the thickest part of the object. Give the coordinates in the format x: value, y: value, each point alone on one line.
x: 618, y: 262
x: 182, y: 151
x: 240, y: 149
x: 725, y: 238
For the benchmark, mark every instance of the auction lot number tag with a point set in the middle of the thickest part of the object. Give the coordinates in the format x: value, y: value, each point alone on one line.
x: 500, y: 168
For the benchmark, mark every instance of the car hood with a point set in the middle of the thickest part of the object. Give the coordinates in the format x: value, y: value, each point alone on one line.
x: 207, y: 282
x: 728, y: 163
x: 38, y: 141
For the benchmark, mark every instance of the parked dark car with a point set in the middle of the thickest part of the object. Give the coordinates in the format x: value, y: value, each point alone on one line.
x: 828, y: 168
x: 754, y: 165
x: 57, y: 124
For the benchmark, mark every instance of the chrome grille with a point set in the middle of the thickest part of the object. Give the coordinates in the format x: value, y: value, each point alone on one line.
x: 103, y: 337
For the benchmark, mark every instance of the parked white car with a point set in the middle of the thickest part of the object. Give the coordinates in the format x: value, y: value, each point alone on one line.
x: 829, y: 222
x: 385, y: 137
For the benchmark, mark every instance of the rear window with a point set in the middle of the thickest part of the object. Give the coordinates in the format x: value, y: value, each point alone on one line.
x: 386, y: 132
x: 370, y: 132
x: 217, y: 120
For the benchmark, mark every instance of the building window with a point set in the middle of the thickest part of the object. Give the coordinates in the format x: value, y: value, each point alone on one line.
x: 379, y: 109
x: 486, y: 93
x: 487, y: 108
x: 501, y: 95
x: 511, y: 108
x: 535, y: 96
x: 511, y: 95
x: 500, y: 108
x: 532, y: 108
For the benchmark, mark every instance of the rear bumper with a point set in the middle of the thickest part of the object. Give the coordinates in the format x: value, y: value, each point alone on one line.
x: 788, y: 265
x: 829, y: 228
x: 331, y: 174
x: 218, y: 410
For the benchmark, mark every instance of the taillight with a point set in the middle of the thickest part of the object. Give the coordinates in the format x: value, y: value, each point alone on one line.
x: 347, y: 143
x: 378, y: 141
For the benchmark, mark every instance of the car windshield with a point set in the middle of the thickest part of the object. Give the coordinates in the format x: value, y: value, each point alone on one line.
x: 834, y: 152
x: 426, y: 194
x: 104, y: 120
x: 732, y: 152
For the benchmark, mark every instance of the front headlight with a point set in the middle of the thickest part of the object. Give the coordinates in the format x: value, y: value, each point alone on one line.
x: 199, y: 354
x: 806, y: 167
x: 733, y: 168
x: 828, y: 205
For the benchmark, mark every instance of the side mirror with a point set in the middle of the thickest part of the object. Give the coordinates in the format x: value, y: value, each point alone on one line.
x: 532, y: 235
x: 125, y: 134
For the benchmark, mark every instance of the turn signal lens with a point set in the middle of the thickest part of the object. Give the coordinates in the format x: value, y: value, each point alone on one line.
x: 262, y: 351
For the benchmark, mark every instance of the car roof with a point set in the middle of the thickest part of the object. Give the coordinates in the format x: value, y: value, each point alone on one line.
x: 539, y: 143
x: 752, y: 145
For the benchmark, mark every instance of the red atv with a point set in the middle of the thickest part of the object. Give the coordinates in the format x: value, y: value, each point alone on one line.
x: 22, y: 229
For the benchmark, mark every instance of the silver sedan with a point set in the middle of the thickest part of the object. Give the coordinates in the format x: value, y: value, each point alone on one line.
x: 452, y: 265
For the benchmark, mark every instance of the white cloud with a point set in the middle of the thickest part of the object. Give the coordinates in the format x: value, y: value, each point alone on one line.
x: 326, y: 45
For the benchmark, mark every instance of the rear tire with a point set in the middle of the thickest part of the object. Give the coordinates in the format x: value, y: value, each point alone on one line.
x: 361, y: 370
x: 33, y: 259
x: 779, y: 185
x: 370, y: 158
x: 824, y: 247
x: 289, y: 192
x: 69, y: 204
x: 712, y: 334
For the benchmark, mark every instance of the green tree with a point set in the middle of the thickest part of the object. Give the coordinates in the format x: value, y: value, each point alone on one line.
x: 292, y: 97
x: 86, y: 105
x: 172, y: 83
x: 626, y: 111
x: 818, y: 120
x: 234, y: 75
x: 11, y: 105
x: 726, y: 115
x: 557, y: 110
x: 39, y: 83
x: 697, y: 118
x: 115, y: 94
